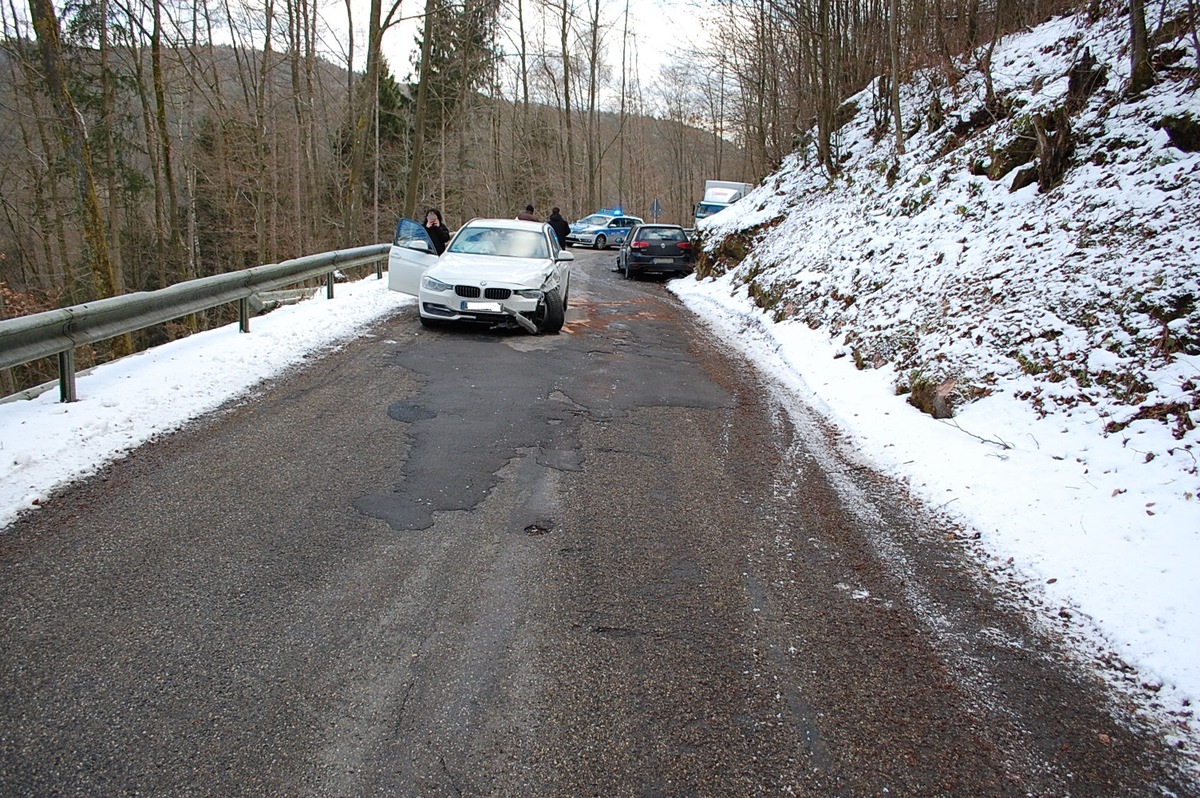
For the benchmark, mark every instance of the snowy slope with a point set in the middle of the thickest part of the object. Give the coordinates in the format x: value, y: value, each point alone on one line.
x: 1062, y: 326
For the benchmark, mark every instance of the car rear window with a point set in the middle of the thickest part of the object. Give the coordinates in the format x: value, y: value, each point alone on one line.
x: 662, y: 234
x: 502, y: 242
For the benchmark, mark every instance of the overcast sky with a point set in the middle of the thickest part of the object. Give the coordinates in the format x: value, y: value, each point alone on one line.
x: 661, y: 28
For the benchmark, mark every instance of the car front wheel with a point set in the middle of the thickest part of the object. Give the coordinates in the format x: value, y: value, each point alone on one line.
x: 601, y: 242
x: 551, y: 313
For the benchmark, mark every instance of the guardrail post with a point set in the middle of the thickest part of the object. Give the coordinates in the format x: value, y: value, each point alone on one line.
x: 66, y: 376
x: 244, y: 314
x: 329, y: 285
x: 379, y: 269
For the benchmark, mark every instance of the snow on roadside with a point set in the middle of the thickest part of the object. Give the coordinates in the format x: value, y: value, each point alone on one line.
x: 45, y: 444
x: 1047, y: 522
x: 1066, y: 323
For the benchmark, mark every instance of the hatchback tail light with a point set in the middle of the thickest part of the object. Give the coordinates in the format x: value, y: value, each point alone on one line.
x: 639, y: 245
x: 686, y: 246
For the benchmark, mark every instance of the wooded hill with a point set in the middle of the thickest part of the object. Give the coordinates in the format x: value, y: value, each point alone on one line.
x: 258, y: 172
x: 142, y: 156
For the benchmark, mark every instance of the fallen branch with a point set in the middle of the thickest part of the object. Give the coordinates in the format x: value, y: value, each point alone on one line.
x: 997, y: 442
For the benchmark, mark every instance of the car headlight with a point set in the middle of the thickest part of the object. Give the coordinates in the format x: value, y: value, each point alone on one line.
x: 430, y: 284
x: 529, y: 293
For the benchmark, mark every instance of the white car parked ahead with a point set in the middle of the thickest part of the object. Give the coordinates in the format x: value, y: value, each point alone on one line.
x: 493, y: 271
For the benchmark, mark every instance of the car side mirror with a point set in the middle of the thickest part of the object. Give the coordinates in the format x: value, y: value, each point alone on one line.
x: 418, y: 244
x: 564, y: 255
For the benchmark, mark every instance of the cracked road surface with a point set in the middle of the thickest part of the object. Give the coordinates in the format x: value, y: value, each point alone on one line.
x: 463, y: 562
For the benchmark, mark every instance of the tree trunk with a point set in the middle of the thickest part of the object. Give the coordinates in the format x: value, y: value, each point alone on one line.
x: 79, y: 153
x: 359, y: 129
x: 894, y: 48
x: 592, y: 143
x: 262, y: 191
x: 296, y: 52
x: 174, y: 250
x: 1141, y: 72
x: 46, y: 222
x: 827, y: 98
x: 565, y: 35
x: 313, y: 162
x: 1055, y: 146
x: 414, y: 169
x: 107, y: 109
x: 220, y: 150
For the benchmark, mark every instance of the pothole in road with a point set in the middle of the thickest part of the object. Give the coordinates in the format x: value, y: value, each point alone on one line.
x: 409, y: 412
x: 539, y: 528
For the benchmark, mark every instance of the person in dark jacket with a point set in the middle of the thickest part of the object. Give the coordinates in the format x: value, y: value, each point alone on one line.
x: 561, y: 227
x: 436, y: 228
x: 528, y: 215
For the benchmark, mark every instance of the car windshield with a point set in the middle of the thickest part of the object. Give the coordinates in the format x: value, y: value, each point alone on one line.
x: 594, y: 219
x: 662, y: 234
x: 502, y: 242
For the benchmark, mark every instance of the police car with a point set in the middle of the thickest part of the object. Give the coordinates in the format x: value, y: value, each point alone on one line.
x: 603, y: 228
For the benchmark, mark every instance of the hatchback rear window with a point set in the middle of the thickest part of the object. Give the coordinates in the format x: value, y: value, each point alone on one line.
x: 662, y: 234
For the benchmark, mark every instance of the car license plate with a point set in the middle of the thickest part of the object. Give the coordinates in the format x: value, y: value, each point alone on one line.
x: 664, y: 260
x: 483, y: 307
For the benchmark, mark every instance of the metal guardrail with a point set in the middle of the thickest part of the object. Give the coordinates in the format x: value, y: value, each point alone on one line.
x: 59, y: 332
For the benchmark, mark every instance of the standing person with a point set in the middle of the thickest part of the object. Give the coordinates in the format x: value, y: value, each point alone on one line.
x: 436, y: 228
x: 561, y: 227
x: 528, y: 214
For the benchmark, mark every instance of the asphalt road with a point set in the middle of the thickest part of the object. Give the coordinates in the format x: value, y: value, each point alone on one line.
x: 609, y: 562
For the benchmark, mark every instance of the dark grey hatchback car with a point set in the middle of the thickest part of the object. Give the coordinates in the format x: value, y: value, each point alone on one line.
x: 656, y: 249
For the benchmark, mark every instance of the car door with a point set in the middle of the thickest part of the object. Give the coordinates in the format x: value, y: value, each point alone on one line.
x: 616, y: 231
x: 560, y: 260
x: 411, y: 254
x: 623, y: 226
x: 623, y: 252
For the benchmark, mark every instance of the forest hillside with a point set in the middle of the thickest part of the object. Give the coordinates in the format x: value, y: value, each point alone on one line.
x: 207, y: 158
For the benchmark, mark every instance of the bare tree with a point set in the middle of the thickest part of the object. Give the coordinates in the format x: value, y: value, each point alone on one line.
x: 1141, y: 71
x: 75, y: 141
x: 362, y: 102
x: 595, y: 58
x: 894, y: 51
x: 419, y: 115
x: 565, y: 19
x: 173, y: 238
